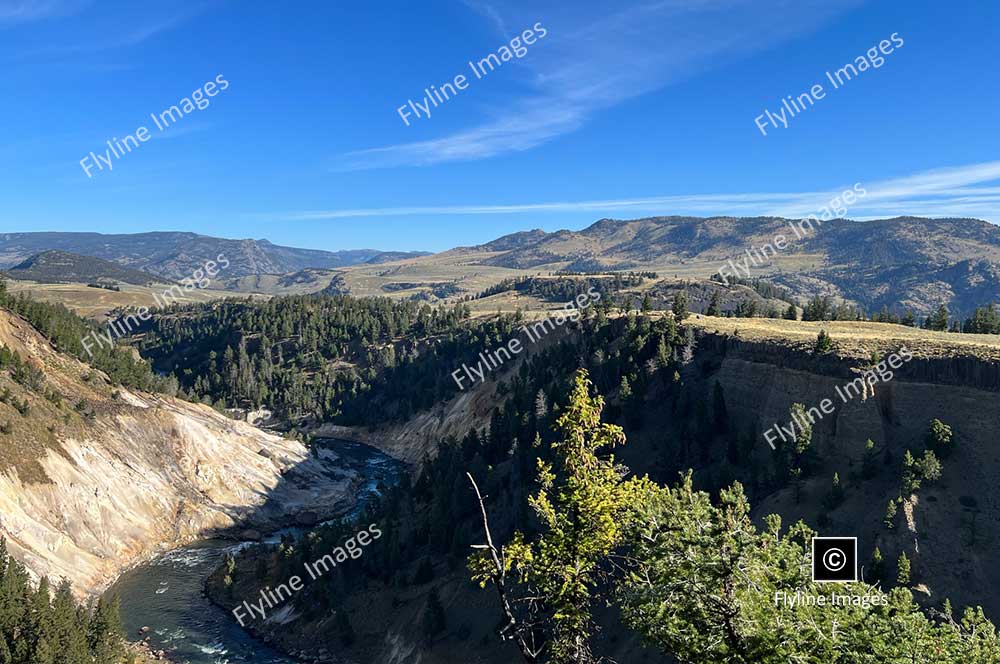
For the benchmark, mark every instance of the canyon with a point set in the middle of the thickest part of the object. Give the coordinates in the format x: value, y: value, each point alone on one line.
x: 86, y: 496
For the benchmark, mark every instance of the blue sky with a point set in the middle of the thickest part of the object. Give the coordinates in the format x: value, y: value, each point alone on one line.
x: 619, y: 111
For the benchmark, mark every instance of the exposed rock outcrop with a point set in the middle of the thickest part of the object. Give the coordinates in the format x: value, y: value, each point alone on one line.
x: 89, y: 490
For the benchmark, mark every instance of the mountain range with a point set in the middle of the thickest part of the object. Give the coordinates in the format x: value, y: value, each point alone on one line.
x: 903, y: 262
x: 900, y: 263
x: 176, y: 255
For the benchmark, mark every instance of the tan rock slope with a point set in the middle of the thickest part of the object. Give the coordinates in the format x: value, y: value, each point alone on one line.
x: 97, y: 478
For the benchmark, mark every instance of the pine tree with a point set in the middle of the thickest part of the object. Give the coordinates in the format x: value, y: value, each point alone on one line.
x: 824, y: 344
x: 939, y: 320
x: 647, y: 304
x: 836, y: 492
x: 714, y: 306
x: 583, y: 506
x: 105, y: 634
x: 70, y: 638
x: 878, y: 565
x: 624, y: 390
x: 541, y: 405
x: 791, y: 313
x: 903, y: 575
x: 869, y: 463
x: 910, y: 480
x: 662, y: 354
x: 890, y: 513
x: 680, y: 305
x: 803, y: 436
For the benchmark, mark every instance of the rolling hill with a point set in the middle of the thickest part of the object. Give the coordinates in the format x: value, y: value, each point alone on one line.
x: 53, y: 267
x: 903, y: 262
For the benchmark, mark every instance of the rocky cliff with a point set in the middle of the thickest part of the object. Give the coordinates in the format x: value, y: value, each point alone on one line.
x: 94, y: 478
x: 949, y: 529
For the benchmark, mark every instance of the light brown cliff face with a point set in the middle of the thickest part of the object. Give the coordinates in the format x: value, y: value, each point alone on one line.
x: 85, y: 497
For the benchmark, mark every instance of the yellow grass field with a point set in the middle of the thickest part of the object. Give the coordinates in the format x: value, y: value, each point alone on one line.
x: 855, y: 338
x: 97, y: 302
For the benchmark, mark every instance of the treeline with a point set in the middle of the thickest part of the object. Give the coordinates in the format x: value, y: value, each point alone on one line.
x: 762, y: 287
x: 305, y: 356
x: 66, y: 331
x: 565, y: 289
x: 984, y: 319
x: 39, y: 626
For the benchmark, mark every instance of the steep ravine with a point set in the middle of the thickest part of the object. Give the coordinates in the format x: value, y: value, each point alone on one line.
x: 950, y: 529
x: 155, y: 478
x: 85, y: 496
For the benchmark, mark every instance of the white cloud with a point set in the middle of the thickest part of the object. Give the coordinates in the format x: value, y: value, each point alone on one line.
x: 942, y: 192
x: 122, y: 38
x: 590, y: 62
x: 24, y: 11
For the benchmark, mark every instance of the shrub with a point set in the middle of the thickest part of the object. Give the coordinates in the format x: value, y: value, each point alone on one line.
x: 939, y: 438
x: 824, y: 344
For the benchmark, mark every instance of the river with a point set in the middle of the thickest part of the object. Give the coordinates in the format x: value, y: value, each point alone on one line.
x: 166, y: 593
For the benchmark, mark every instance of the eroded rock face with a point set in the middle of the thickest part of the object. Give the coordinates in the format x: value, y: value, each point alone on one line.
x: 949, y: 529
x: 160, y: 475
x: 86, y: 497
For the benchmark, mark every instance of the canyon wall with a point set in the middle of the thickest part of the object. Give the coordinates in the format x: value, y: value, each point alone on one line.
x: 950, y: 529
x: 107, y: 477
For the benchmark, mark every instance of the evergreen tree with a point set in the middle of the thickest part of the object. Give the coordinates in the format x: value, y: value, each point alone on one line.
x: 836, y: 496
x: 890, y: 513
x: 583, y: 506
x: 869, y: 463
x: 939, y: 320
x: 824, y: 344
x: 878, y: 566
x: 714, y: 306
x: 37, y: 628
x: 624, y: 390
x: 903, y: 573
x: 680, y: 306
x: 105, y: 636
x: 647, y: 304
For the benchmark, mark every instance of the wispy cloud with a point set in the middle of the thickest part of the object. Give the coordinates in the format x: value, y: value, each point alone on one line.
x: 121, y: 38
x: 590, y: 62
x: 24, y: 11
x: 959, y: 191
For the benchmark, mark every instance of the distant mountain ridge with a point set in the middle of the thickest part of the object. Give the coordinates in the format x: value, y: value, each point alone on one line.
x: 55, y: 266
x: 902, y: 262
x: 176, y: 255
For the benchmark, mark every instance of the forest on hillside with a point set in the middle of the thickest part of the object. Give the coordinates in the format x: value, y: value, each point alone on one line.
x: 42, y: 625
x: 524, y: 462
